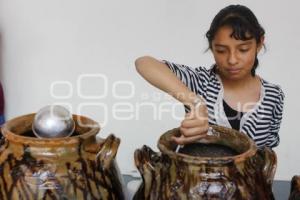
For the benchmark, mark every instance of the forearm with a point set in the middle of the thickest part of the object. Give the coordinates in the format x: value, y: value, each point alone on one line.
x: 159, y: 75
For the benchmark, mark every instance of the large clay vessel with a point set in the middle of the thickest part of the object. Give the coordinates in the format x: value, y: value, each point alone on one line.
x: 168, y: 175
x: 78, y: 167
x: 295, y: 188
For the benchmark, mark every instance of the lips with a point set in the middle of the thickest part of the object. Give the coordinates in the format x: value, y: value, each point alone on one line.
x: 234, y: 70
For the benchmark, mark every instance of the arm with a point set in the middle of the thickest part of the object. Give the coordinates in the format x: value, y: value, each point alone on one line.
x: 159, y: 75
x: 195, y: 124
x: 273, y: 139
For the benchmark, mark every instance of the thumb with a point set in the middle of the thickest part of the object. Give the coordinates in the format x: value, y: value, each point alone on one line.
x: 190, y: 115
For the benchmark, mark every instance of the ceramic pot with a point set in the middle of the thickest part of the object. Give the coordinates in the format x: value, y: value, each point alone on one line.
x: 77, y: 167
x: 295, y: 188
x: 169, y: 175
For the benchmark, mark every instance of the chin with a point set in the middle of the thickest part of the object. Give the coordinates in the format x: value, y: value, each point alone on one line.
x: 235, y: 77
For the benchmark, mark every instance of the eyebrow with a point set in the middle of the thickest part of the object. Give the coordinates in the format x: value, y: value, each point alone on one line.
x: 241, y: 44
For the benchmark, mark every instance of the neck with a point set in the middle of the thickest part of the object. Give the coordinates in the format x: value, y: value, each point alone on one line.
x: 238, y: 84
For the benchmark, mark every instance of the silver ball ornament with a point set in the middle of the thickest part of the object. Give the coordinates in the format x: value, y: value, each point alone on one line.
x: 53, y: 121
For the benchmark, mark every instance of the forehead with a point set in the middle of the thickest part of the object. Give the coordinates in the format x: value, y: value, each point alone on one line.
x: 224, y: 37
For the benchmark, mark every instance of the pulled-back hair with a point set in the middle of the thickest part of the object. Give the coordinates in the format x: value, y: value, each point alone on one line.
x: 243, y: 22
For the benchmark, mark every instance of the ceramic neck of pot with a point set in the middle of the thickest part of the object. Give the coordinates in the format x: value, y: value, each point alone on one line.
x: 16, y: 132
x: 239, y: 142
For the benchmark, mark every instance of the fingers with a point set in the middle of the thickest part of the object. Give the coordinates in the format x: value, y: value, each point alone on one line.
x: 189, y: 135
x: 189, y: 115
x: 194, y: 126
x: 189, y: 132
x: 185, y: 140
x: 191, y: 123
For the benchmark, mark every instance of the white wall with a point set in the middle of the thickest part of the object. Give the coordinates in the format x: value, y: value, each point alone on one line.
x: 45, y: 41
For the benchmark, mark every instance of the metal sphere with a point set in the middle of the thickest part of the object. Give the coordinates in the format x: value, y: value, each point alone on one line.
x: 53, y: 121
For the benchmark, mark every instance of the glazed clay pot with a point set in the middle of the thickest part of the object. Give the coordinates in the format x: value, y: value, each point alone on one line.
x: 295, y: 188
x: 169, y: 176
x: 78, y: 167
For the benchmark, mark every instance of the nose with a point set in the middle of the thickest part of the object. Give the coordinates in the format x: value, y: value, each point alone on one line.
x: 232, y: 58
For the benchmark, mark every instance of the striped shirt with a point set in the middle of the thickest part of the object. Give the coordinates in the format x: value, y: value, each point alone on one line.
x: 261, y: 123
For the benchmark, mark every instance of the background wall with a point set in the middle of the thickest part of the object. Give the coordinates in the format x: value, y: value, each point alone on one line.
x: 81, y: 54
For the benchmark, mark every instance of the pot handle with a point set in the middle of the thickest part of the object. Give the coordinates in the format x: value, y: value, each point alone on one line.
x: 270, y: 164
x: 2, y: 139
x: 149, y: 164
x: 146, y: 159
x: 105, y: 150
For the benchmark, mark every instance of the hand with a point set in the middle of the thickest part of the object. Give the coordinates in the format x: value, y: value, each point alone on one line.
x: 194, y: 126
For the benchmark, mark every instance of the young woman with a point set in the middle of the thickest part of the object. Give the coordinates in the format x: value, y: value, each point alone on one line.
x: 229, y: 93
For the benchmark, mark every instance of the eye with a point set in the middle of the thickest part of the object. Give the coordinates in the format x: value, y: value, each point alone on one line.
x: 244, y: 50
x: 220, y: 51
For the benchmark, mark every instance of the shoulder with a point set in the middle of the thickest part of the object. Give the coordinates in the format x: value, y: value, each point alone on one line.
x: 204, y: 70
x: 200, y: 70
x: 273, y: 91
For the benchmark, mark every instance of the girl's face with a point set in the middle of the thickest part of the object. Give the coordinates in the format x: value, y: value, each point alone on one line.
x: 234, y: 58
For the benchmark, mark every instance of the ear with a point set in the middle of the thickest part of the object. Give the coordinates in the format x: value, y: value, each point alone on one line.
x: 260, y: 44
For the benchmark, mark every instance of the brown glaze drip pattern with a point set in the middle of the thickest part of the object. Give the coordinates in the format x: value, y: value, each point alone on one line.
x: 168, y: 177
x: 79, y: 170
x: 33, y: 179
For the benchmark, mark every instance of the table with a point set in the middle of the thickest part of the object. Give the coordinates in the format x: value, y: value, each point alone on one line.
x: 281, y: 189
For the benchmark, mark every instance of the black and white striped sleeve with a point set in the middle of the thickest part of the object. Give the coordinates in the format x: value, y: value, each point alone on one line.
x: 273, y: 138
x: 194, y: 79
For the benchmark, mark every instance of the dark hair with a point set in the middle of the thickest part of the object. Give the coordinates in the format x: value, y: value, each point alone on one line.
x: 243, y: 22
